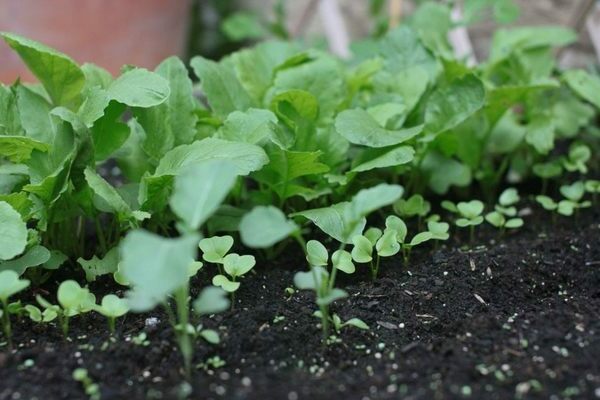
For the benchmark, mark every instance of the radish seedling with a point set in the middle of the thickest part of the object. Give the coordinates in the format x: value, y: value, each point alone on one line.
x: 72, y: 300
x: 112, y: 307
x: 10, y: 284
x: 214, y: 249
x: 469, y: 213
x: 576, y: 160
x: 573, y: 195
x: 415, y: 205
x: 235, y: 266
x: 593, y: 186
x: 504, y: 215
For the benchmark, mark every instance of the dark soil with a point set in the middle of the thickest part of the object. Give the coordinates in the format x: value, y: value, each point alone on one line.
x: 516, y: 318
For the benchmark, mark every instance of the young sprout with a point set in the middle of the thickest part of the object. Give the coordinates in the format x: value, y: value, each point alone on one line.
x: 593, y: 186
x: 338, y: 324
x: 576, y: 160
x: 214, y: 249
x: 235, y: 266
x: 573, y: 195
x: 320, y: 281
x: 469, y: 213
x: 547, y: 171
x: 112, y: 307
x: 91, y: 389
x: 10, y: 284
x: 73, y: 300
x: 416, y: 205
x: 504, y: 215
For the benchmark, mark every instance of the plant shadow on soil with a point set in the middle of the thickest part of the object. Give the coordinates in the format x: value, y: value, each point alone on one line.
x: 516, y: 318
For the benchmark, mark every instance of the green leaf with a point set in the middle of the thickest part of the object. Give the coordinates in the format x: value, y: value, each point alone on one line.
x: 342, y: 260
x: 573, y: 192
x: 546, y: 202
x: 74, y: 299
x: 450, y: 105
x: 155, y: 266
x: 18, y: 148
x: 36, y: 255
x: 398, y: 156
x: 10, y: 284
x: 212, y: 300
x: 333, y: 222
x: 173, y: 122
x: 357, y: 323
x: 587, y: 86
x: 316, y: 253
x: 224, y: 283
x: 246, y: 157
x: 253, y: 126
x: 362, y: 252
x: 264, y: 226
x: 421, y: 238
x: 200, y: 189
x: 139, y: 87
x: 108, y: 194
x: 287, y: 166
x: 215, y: 248
x: 109, y: 133
x: 211, y: 336
x: 359, y: 127
x: 372, y: 199
x: 222, y: 88
x: 311, y: 280
x: 514, y: 223
x: 333, y: 295
x: 402, y: 50
x: 113, y: 306
x: 236, y: 265
x: 398, y: 226
x: 388, y: 245
x: 506, y: 41
x: 96, y: 267
x: 61, y: 76
x: 13, y: 231
x: 445, y: 172
x: 470, y: 209
x: 35, y: 116
x: 414, y: 205
x: 540, y: 134
x: 439, y: 230
x: 509, y: 197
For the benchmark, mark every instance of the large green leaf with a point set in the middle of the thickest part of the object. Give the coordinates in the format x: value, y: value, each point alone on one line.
x: 61, y: 76
x: 173, y: 122
x: 18, y: 148
x: 332, y: 220
x: 265, y: 226
x: 34, y: 256
x: 10, y: 119
x: 222, y: 88
x: 449, y: 106
x: 402, y: 49
x: 385, y: 158
x: 139, y: 87
x: 155, y: 266
x: 246, y: 157
x: 200, y: 189
x: 506, y: 41
x: 285, y: 167
x: 107, y: 193
x: 359, y: 127
x: 35, y: 115
x: 585, y: 85
x: 13, y: 232
x: 253, y: 126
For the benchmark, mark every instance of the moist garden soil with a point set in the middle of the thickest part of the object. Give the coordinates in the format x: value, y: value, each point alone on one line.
x: 516, y: 317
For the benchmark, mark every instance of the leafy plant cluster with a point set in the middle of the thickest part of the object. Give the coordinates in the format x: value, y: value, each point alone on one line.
x: 133, y: 176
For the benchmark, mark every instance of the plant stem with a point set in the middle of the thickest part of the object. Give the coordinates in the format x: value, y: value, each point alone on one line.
x: 471, y: 234
x: 185, y: 343
x: 100, y: 235
x: 111, y: 325
x: 6, y: 323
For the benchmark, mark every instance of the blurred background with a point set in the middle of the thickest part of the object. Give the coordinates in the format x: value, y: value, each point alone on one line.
x: 112, y: 33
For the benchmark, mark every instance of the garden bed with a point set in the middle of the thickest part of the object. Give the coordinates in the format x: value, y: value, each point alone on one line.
x: 514, y: 318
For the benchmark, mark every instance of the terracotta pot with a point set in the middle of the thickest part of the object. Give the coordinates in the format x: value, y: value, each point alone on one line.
x: 109, y: 33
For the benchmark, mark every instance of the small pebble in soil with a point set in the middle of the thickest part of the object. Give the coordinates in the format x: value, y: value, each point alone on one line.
x: 152, y: 321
